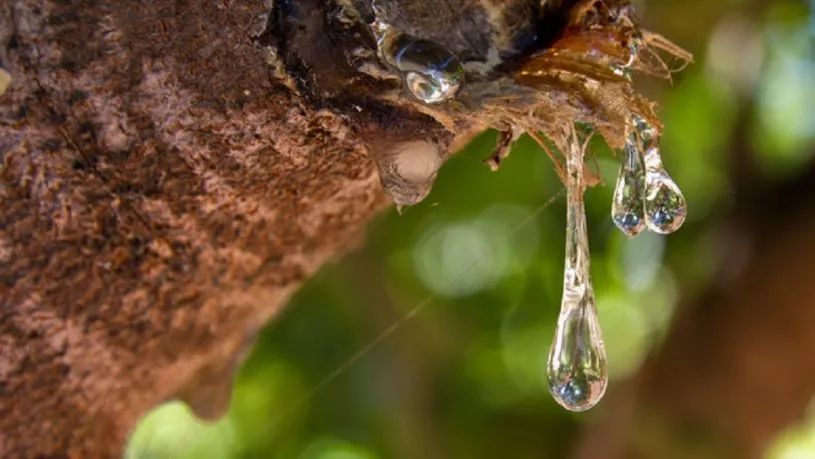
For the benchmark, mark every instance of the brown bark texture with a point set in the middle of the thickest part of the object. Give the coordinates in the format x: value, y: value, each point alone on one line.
x: 165, y: 186
x: 160, y: 198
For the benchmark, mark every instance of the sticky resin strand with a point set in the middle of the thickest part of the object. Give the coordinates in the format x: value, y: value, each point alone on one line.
x: 627, y: 206
x: 635, y: 43
x: 431, y: 72
x: 577, y: 359
x: 665, y: 206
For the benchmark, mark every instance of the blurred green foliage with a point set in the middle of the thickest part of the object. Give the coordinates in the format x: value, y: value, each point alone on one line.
x: 479, y: 263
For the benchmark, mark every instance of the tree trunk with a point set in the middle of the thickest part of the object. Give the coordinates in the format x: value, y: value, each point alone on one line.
x: 170, y: 175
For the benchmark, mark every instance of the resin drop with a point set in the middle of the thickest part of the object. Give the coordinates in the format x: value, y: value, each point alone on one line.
x: 407, y: 170
x: 577, y: 359
x: 430, y: 72
x: 665, y: 206
x: 627, y: 210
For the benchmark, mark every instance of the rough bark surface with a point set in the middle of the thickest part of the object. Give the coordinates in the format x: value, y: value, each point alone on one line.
x: 160, y: 197
x: 171, y: 173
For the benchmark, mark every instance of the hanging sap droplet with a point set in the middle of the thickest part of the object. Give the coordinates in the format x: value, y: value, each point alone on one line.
x: 665, y: 206
x: 431, y: 72
x: 577, y: 359
x: 627, y: 210
x: 407, y: 171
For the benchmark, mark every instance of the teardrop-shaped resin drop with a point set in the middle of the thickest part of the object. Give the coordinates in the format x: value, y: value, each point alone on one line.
x: 431, y: 72
x: 407, y: 170
x: 627, y: 210
x: 577, y: 359
x: 665, y: 206
x: 577, y: 362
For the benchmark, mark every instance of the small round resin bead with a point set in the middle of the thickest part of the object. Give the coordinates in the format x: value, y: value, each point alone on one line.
x: 431, y: 72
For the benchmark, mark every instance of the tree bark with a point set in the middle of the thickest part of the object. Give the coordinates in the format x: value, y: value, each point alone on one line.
x: 171, y: 173
x: 161, y: 197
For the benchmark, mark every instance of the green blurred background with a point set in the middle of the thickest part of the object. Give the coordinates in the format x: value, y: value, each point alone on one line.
x: 482, y: 259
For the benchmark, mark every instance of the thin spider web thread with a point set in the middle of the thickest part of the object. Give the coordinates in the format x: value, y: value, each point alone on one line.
x: 396, y: 325
x: 382, y: 336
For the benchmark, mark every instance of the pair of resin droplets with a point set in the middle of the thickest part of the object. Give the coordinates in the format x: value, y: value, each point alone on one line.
x: 645, y: 196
